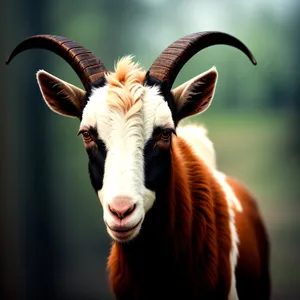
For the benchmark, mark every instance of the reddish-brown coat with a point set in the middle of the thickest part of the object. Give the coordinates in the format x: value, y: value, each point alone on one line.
x: 183, y: 249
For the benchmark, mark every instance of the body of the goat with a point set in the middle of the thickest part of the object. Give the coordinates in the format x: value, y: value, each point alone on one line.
x: 202, y: 237
x: 184, y: 248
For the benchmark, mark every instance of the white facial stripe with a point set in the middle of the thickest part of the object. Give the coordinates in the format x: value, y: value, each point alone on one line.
x: 124, y: 158
x: 123, y: 170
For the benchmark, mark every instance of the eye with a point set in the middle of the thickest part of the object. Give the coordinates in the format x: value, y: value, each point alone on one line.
x: 166, y: 134
x: 87, y: 137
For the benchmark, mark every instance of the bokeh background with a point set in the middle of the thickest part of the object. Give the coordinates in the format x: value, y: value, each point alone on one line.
x: 53, y: 240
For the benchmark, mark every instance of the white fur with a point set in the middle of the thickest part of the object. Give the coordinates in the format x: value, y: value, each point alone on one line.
x: 233, y: 200
x: 233, y: 203
x: 196, y: 137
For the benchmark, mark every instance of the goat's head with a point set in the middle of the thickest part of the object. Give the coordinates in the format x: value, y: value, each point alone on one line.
x: 128, y: 118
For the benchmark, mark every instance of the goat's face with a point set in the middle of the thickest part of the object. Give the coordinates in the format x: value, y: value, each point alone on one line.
x: 127, y: 135
x: 127, y: 126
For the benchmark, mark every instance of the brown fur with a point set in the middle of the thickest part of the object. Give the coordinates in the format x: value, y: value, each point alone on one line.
x: 183, y: 249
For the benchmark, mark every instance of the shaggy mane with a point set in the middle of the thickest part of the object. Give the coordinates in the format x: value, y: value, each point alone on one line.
x: 125, y: 86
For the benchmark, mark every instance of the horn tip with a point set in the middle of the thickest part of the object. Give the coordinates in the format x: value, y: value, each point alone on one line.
x: 254, y: 61
x: 9, y: 59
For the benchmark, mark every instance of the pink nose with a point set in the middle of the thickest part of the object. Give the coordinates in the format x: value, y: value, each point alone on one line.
x: 121, y: 207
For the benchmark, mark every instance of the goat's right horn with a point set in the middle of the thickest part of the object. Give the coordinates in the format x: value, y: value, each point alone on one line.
x: 87, y: 66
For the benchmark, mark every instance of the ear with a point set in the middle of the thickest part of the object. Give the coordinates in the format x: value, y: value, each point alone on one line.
x: 195, y: 96
x: 62, y: 97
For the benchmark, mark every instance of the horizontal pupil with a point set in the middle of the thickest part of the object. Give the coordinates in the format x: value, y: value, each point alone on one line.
x: 165, y: 134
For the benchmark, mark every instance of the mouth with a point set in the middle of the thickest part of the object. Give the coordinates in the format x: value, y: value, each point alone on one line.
x: 123, y: 234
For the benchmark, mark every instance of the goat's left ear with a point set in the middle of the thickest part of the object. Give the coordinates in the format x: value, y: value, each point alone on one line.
x: 195, y: 96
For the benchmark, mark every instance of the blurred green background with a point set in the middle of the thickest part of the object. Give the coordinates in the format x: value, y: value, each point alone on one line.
x: 54, y: 243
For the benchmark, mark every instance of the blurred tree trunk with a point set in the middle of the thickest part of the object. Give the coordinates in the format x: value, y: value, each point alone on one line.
x: 37, y: 243
x: 9, y: 258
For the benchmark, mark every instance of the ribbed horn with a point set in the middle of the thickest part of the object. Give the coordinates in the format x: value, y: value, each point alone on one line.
x: 173, y: 58
x: 87, y: 66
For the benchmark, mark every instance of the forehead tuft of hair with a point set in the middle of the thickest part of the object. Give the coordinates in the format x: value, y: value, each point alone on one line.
x: 125, y: 86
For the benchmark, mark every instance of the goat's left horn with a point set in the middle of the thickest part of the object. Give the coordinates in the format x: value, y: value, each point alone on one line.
x: 87, y: 66
x: 167, y: 66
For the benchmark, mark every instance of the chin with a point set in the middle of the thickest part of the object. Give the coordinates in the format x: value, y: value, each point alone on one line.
x: 124, y: 236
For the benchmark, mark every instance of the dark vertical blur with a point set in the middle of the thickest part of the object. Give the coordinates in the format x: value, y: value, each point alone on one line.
x: 9, y: 263
x: 36, y: 211
x: 29, y: 186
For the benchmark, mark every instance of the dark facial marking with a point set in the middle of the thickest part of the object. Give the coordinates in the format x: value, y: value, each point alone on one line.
x: 157, y: 159
x: 97, y: 155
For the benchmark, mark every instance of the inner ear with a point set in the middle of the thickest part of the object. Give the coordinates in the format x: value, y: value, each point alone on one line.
x: 195, y: 95
x: 61, y: 96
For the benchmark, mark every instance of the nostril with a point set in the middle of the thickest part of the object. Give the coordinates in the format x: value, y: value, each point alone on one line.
x: 114, y: 212
x: 129, y: 210
x: 121, y: 211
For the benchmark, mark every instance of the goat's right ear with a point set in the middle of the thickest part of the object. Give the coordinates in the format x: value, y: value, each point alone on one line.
x: 62, y: 97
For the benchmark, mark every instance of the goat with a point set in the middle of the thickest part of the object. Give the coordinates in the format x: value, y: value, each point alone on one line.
x: 181, y: 229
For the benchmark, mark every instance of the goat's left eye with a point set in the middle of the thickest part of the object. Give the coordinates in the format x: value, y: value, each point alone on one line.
x: 166, y: 135
x: 86, y: 136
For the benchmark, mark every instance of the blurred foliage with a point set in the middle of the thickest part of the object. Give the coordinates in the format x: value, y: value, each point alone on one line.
x: 56, y: 243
